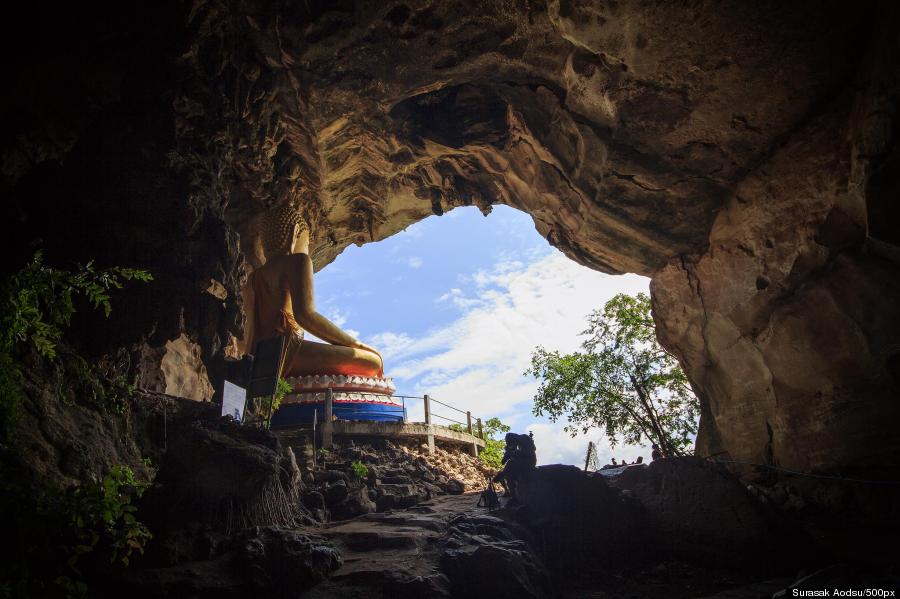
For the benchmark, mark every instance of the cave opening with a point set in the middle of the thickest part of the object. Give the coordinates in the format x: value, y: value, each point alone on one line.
x: 458, y: 302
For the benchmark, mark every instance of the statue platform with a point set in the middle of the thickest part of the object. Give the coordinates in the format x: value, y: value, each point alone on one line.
x: 355, y: 398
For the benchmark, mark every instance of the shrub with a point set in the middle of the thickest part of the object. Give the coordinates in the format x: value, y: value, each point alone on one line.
x: 36, y: 306
x: 62, y: 536
x: 359, y: 469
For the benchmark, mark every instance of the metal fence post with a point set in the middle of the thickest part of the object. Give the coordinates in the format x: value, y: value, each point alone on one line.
x: 428, y: 425
x: 469, y: 428
x: 328, y: 424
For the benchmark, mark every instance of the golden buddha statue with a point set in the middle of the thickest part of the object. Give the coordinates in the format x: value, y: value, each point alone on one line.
x: 279, y: 300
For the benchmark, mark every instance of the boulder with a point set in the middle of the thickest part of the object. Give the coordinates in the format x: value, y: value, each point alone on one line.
x: 568, y: 508
x: 336, y: 492
x: 228, y: 476
x: 275, y: 559
x: 699, y: 512
x: 356, y: 503
x: 498, y: 570
x: 454, y: 487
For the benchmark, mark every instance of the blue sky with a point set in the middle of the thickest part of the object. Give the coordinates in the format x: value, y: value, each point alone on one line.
x: 457, y: 303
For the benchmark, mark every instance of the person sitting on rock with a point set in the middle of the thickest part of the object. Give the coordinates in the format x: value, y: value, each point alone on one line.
x: 640, y: 460
x: 657, y: 453
x: 522, y: 460
x: 508, y: 452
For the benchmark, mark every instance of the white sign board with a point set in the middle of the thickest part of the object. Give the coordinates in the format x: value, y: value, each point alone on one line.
x: 233, y: 400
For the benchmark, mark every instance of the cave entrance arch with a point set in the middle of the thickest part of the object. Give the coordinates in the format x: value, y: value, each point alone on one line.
x: 458, y: 302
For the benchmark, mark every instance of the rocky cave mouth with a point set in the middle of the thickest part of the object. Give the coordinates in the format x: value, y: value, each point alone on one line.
x: 743, y: 156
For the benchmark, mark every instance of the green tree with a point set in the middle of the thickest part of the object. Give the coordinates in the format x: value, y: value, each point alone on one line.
x: 492, y: 454
x: 623, y: 381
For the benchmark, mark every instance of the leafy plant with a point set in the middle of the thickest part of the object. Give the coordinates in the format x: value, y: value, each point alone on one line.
x: 64, y: 536
x: 282, y: 388
x: 38, y: 301
x: 492, y: 452
x: 36, y: 306
x: 105, y: 513
x: 84, y: 382
x: 623, y: 381
x: 359, y: 469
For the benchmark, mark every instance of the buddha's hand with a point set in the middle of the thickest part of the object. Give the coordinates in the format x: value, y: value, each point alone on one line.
x: 361, y: 345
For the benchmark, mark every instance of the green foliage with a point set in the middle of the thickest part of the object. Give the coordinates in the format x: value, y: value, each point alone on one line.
x: 282, y: 388
x: 493, y: 427
x: 103, y: 516
x: 11, y: 396
x: 623, y: 381
x: 359, y: 469
x: 36, y: 306
x: 38, y: 301
x: 494, y: 448
x: 83, y: 382
x: 492, y: 453
x: 63, y: 536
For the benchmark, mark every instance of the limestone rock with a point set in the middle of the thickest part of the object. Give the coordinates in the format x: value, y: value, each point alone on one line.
x: 285, y: 560
x: 497, y: 569
x: 336, y: 492
x: 566, y: 507
x: 698, y: 512
x: 184, y: 372
x: 355, y: 504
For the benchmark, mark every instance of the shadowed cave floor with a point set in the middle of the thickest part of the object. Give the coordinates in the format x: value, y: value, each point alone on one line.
x: 397, y: 554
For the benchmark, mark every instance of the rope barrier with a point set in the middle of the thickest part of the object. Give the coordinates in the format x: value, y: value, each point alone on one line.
x: 405, y: 397
x: 447, y: 406
x: 450, y: 419
x: 807, y: 474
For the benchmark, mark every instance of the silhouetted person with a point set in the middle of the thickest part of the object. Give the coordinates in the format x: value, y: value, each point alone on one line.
x: 640, y: 460
x: 657, y: 453
x: 508, y: 452
x: 522, y: 459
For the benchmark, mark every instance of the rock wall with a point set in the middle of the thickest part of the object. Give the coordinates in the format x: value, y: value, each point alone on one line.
x: 787, y: 324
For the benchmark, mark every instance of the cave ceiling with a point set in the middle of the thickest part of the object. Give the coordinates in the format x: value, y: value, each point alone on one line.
x: 622, y: 128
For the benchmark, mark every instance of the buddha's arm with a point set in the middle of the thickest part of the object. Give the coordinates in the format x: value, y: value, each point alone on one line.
x: 302, y: 299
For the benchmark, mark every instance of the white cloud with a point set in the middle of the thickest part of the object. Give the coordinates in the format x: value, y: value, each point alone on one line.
x: 459, y: 299
x: 556, y: 446
x: 414, y: 262
x: 477, y: 362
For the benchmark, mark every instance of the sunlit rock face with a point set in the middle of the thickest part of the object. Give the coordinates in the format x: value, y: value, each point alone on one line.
x: 787, y: 324
x: 621, y: 128
x: 741, y: 153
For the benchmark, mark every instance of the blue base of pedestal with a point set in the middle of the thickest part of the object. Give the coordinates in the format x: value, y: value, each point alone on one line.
x: 302, y: 414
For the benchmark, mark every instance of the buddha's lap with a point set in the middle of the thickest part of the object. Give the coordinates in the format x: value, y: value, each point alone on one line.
x: 322, y: 358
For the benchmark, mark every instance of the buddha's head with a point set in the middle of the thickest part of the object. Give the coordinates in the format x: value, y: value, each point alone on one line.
x: 284, y: 231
